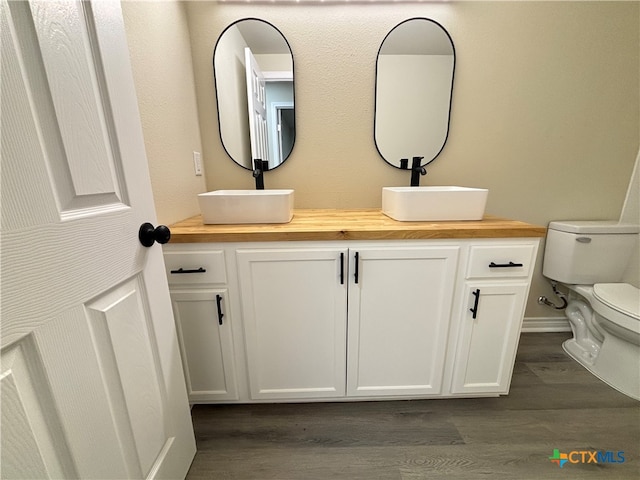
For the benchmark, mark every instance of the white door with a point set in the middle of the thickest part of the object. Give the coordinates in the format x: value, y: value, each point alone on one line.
x: 91, y: 378
x: 400, y: 302
x: 489, y: 331
x: 204, y: 332
x: 294, y: 306
x: 256, y: 96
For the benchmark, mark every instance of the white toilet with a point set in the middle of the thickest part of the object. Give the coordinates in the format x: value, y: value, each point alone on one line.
x: 590, y: 258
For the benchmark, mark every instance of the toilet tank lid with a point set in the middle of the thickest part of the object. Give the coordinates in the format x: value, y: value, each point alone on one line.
x: 593, y: 226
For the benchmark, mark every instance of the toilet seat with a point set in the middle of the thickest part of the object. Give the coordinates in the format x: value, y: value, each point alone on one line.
x: 619, y: 303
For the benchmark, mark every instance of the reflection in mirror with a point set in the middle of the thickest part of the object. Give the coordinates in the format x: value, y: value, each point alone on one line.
x: 414, y: 81
x: 253, y: 72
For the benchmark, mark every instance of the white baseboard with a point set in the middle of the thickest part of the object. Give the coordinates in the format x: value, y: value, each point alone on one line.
x: 545, y: 324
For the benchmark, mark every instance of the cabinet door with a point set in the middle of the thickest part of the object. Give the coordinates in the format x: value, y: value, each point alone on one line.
x: 294, y: 304
x: 399, y: 312
x: 487, y: 343
x: 204, y: 332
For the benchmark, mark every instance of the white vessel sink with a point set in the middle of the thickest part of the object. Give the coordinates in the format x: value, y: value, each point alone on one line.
x: 422, y: 204
x: 246, y: 206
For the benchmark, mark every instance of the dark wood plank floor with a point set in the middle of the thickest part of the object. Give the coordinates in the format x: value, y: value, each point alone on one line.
x: 554, y: 404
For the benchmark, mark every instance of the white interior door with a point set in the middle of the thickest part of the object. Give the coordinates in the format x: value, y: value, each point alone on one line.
x: 256, y: 95
x: 91, y: 379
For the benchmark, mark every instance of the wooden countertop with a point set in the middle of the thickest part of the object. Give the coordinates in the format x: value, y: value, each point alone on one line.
x: 360, y: 224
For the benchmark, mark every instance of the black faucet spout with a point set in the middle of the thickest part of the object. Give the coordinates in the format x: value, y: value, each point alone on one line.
x: 416, y: 171
x: 259, y: 166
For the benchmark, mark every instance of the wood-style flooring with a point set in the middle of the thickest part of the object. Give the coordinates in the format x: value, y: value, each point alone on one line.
x: 553, y: 404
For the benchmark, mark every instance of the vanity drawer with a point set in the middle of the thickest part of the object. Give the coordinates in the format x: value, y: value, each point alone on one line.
x: 186, y: 268
x: 497, y: 261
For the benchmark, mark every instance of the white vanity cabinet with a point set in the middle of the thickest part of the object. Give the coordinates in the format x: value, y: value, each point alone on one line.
x: 200, y: 300
x: 496, y: 287
x: 349, y: 306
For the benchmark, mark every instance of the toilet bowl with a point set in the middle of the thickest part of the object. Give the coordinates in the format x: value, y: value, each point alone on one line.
x: 605, y: 320
x: 617, y: 307
x: 604, y: 313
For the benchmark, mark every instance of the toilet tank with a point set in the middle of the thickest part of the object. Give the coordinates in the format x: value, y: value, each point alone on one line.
x: 588, y: 252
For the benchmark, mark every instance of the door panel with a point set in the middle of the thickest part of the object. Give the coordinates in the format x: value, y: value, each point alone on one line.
x: 24, y: 459
x: 89, y: 350
x: 80, y: 396
x: 121, y: 335
x: 399, y: 313
x: 68, y: 90
x: 294, y: 311
x: 76, y: 87
x: 488, y: 343
x: 207, y: 344
x: 29, y: 417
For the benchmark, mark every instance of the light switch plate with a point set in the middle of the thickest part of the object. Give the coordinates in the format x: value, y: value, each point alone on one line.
x: 197, y: 163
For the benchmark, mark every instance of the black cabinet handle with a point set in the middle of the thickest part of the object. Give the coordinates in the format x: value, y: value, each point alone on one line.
x: 182, y: 270
x: 341, y: 268
x: 356, y: 270
x: 220, y: 314
x: 474, y: 310
x: 504, y: 265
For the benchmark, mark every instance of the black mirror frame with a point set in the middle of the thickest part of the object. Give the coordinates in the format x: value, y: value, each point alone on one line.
x: 215, y: 86
x: 375, y: 92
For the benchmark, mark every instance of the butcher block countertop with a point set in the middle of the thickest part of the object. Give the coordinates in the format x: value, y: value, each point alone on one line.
x: 360, y: 224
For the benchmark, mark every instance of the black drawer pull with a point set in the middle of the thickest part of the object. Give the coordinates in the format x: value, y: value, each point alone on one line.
x: 505, y: 265
x: 341, y: 268
x: 182, y: 270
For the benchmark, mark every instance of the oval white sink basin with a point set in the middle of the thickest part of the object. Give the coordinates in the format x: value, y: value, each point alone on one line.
x: 246, y: 206
x: 423, y: 204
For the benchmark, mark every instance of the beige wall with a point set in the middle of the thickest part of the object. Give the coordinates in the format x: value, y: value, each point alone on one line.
x: 163, y: 73
x: 545, y: 105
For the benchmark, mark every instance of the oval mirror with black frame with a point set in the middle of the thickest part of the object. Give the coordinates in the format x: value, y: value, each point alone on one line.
x: 253, y: 74
x: 414, y: 86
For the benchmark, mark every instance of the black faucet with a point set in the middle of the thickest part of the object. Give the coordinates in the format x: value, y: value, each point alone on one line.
x: 416, y: 171
x: 259, y: 167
